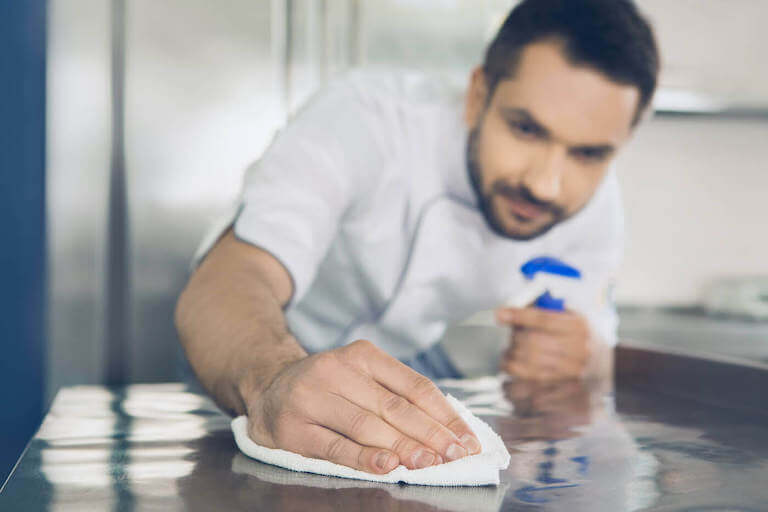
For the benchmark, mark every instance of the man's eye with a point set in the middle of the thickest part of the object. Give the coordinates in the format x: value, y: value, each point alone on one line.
x: 588, y: 154
x: 526, y: 129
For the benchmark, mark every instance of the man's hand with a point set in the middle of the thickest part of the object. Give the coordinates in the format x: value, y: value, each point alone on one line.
x: 359, y: 407
x: 546, y: 345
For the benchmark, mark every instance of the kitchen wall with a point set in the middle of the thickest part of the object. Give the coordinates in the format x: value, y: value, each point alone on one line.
x: 695, y: 199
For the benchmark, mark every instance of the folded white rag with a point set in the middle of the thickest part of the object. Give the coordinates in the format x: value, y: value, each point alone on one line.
x: 480, y: 469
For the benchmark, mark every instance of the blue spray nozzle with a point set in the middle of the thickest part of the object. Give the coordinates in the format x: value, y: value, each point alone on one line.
x: 549, y: 265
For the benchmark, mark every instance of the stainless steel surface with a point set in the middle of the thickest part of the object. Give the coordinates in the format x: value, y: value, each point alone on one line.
x: 694, y: 331
x: 118, y: 285
x: 200, y: 104
x: 77, y: 183
x: 158, y: 447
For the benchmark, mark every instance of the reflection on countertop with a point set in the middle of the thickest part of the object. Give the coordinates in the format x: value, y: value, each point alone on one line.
x: 574, y: 447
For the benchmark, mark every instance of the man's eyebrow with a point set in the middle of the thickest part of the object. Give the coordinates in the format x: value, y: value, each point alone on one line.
x: 524, y: 115
x: 597, y: 148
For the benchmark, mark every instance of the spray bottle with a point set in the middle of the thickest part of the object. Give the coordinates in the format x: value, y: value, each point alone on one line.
x: 548, y: 282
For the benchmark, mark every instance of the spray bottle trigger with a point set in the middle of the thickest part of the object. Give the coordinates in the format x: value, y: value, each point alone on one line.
x: 547, y: 301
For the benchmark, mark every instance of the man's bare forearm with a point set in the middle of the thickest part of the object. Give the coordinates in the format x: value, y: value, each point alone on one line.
x: 232, y: 327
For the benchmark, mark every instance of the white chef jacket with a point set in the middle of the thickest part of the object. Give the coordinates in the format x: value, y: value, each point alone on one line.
x: 365, y: 198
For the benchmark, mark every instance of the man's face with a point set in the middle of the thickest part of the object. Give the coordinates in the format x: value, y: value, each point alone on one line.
x: 540, y: 146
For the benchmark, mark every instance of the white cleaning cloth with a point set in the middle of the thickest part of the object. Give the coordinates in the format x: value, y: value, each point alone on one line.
x: 480, y: 469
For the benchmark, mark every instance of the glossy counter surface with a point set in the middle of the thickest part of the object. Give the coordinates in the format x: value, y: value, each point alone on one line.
x: 160, y: 447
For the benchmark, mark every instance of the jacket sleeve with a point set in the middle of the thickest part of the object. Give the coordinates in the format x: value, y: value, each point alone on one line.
x: 294, y: 197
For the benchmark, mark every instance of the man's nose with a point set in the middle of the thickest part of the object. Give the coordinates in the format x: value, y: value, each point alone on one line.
x: 545, y: 174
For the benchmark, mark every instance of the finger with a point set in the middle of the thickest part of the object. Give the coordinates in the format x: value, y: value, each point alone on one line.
x: 406, y: 417
x: 405, y: 383
x: 537, y: 375
x: 368, y: 429
x: 529, y: 343
x: 556, y: 365
x: 448, y: 431
x: 320, y: 443
x: 567, y: 346
x: 531, y: 374
x: 526, y: 339
x: 544, y: 347
x: 537, y: 318
x: 414, y: 430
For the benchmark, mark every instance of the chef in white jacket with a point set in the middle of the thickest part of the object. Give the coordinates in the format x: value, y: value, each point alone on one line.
x: 391, y: 207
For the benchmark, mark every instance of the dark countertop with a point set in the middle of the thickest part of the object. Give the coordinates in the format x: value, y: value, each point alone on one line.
x: 161, y: 447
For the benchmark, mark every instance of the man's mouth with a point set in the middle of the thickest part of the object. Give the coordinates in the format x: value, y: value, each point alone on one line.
x: 523, y: 209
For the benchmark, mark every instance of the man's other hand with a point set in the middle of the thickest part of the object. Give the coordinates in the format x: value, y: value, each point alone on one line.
x: 359, y: 407
x: 546, y: 345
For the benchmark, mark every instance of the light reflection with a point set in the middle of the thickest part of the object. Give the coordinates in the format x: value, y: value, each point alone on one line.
x: 58, y: 455
x: 93, y: 475
x: 164, y: 470
x: 188, y: 428
x: 483, y: 395
x: 73, y: 431
x: 154, y: 452
x: 485, y: 383
x: 164, y: 401
x: 642, y: 491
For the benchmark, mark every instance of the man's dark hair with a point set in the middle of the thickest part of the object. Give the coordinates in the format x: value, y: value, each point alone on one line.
x: 610, y: 36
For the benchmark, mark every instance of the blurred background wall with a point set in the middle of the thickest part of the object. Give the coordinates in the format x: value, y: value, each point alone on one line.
x: 205, y: 85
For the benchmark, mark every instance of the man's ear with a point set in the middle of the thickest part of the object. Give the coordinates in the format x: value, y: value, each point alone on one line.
x: 646, y: 115
x: 477, y: 93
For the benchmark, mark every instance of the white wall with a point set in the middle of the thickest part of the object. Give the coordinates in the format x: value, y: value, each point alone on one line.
x: 695, y: 200
x: 714, y: 47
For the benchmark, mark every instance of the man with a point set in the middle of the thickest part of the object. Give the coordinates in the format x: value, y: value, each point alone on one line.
x: 385, y: 211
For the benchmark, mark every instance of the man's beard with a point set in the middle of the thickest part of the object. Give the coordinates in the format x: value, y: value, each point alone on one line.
x: 499, y: 187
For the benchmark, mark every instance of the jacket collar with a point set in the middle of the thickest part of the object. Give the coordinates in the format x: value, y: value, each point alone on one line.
x: 452, y: 145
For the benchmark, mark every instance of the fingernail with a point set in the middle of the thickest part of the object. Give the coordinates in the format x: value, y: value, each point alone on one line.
x: 503, y: 315
x: 455, y: 452
x: 383, y: 461
x: 439, y: 460
x: 423, y: 459
x: 471, y: 443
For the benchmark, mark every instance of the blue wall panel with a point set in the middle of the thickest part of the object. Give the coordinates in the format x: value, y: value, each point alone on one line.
x: 22, y: 224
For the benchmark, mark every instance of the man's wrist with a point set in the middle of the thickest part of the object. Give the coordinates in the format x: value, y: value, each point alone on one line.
x: 253, y: 380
